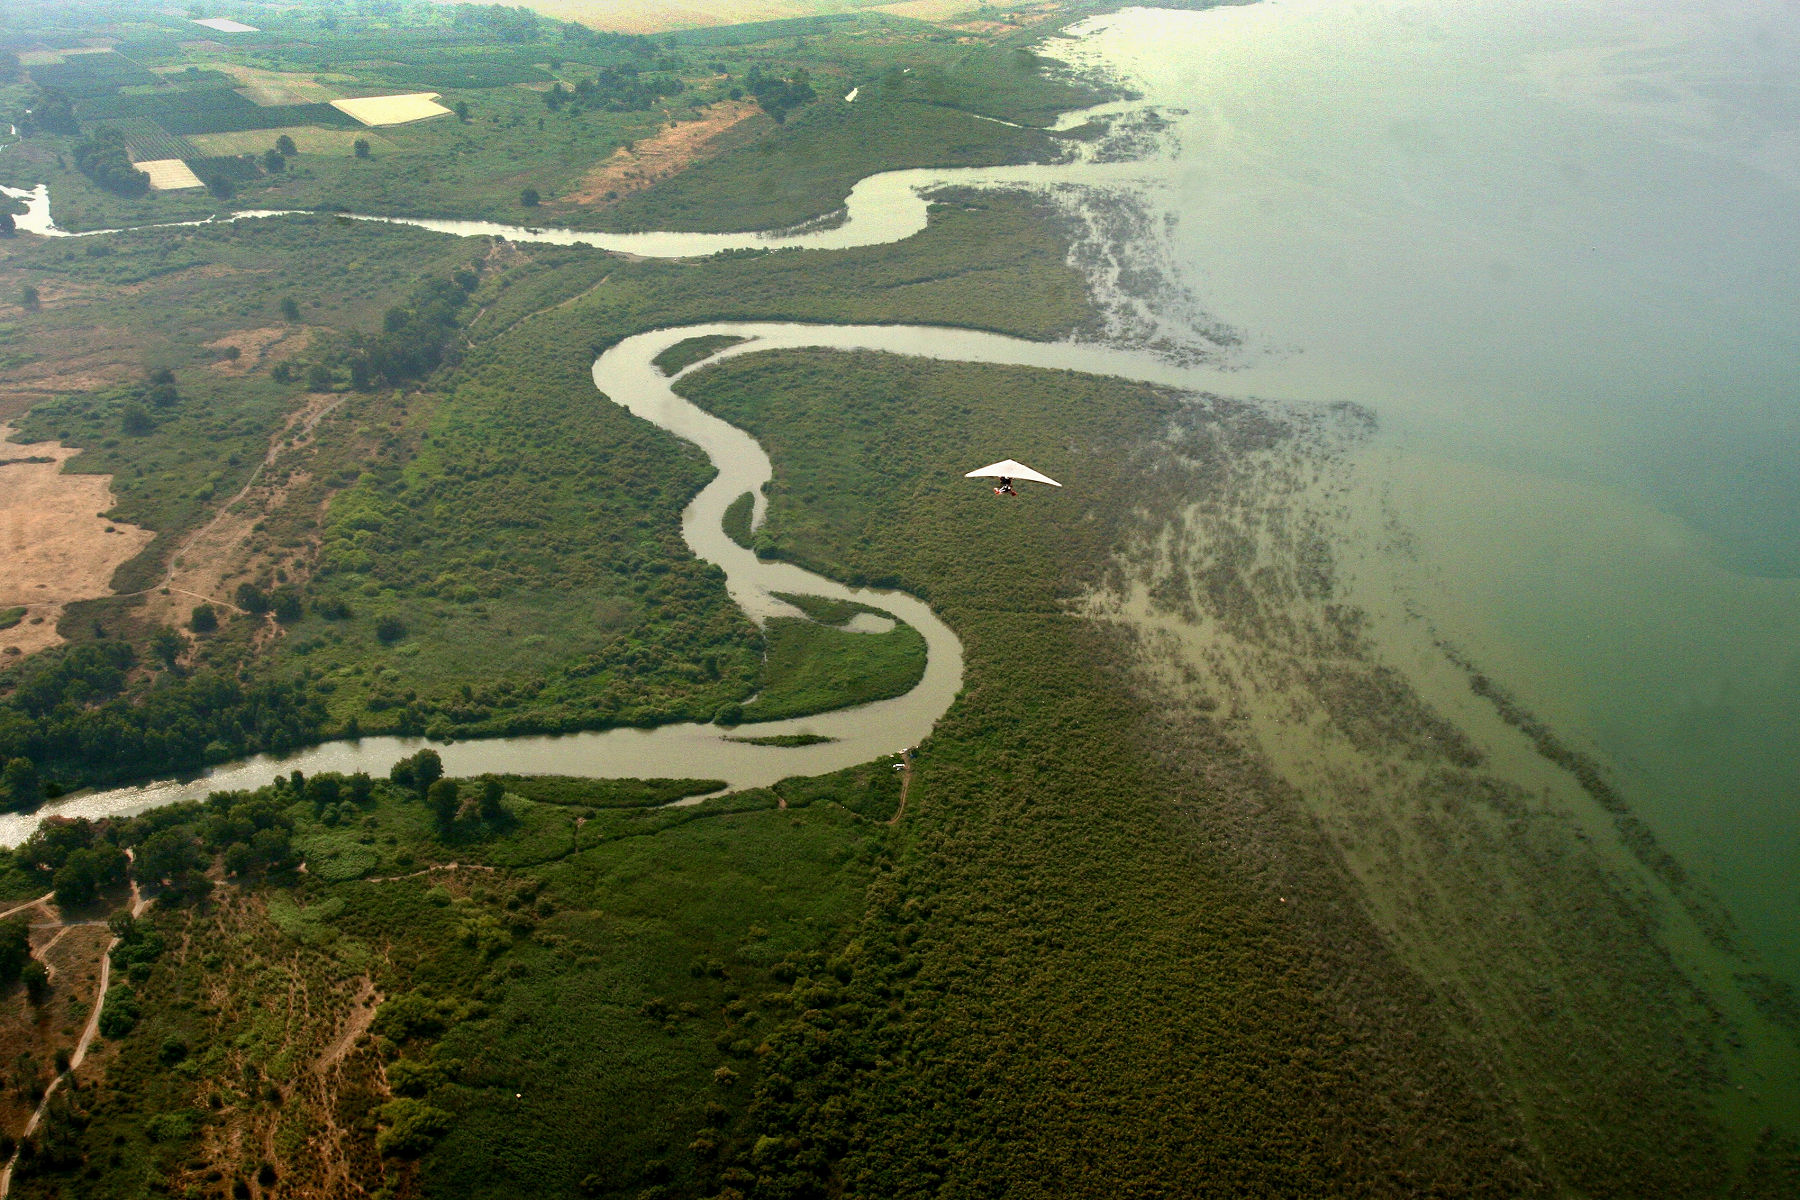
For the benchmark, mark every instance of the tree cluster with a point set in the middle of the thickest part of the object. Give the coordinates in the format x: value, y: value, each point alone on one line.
x: 104, y: 158
x: 779, y: 96
x: 52, y: 112
x: 71, y: 712
x: 507, y: 24
x: 615, y: 89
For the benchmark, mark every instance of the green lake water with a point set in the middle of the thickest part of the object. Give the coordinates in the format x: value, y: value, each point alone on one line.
x: 1554, y: 248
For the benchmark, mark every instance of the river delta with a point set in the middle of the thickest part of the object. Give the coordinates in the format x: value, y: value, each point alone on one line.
x: 1320, y: 592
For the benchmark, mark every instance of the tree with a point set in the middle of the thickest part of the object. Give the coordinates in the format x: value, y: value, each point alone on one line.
x: 390, y: 629
x: 86, y: 872
x: 104, y: 158
x: 28, y: 296
x: 491, y: 793
x: 37, y: 981
x: 318, y: 378
x: 203, y: 619
x: 322, y: 790
x: 362, y: 147
x: 20, y: 784
x: 135, y: 420
x: 8, y: 226
x: 285, y: 145
x: 418, y: 771
x: 15, y: 948
x: 54, y: 112
x: 252, y: 599
x: 273, y: 162
x: 462, y: 111
x: 167, y: 645
x: 238, y: 859
x: 428, y: 768
x: 164, y: 855
x: 444, y: 798
x: 290, y: 311
x: 286, y: 605
x: 220, y: 186
x: 529, y: 197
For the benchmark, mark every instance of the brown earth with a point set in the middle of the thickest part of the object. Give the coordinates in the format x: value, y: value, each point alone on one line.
x: 224, y: 549
x: 652, y: 160
x: 55, y: 547
x: 256, y: 346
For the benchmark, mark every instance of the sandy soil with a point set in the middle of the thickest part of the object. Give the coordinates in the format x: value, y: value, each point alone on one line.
x: 56, y: 549
x: 622, y: 16
x: 169, y: 174
x: 652, y: 160
x: 257, y: 346
x: 221, y: 551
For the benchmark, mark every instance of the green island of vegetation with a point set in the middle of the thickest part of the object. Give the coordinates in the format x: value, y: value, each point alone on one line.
x: 812, y: 667
x: 1080, y: 942
x: 789, y: 740
x: 689, y: 351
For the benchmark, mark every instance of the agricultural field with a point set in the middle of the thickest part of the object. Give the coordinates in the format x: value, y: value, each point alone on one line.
x: 530, y: 120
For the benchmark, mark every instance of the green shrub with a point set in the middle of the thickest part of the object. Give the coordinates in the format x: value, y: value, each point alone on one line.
x: 411, y: 1127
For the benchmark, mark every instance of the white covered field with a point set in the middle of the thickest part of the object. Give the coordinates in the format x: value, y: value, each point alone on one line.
x: 169, y: 174
x: 392, y: 110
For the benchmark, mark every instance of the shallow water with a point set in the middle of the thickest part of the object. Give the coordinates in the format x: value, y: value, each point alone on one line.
x: 1552, y: 248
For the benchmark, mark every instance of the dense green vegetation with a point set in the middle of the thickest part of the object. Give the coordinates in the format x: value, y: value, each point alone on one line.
x: 831, y: 1007
x: 691, y: 350
x: 736, y: 521
x: 1045, y: 888
x: 565, y: 980
x: 812, y: 667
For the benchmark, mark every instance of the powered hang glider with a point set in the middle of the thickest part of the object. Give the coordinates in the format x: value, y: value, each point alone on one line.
x: 1008, y: 471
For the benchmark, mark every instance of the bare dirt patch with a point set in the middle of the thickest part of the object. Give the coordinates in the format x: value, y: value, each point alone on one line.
x: 55, y: 548
x: 225, y: 548
x: 652, y: 160
x: 254, y: 347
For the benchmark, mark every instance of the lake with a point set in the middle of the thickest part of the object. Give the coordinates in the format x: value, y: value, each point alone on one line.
x: 1553, y: 248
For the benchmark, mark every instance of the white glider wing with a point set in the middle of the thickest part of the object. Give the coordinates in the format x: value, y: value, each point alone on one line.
x: 1011, y: 470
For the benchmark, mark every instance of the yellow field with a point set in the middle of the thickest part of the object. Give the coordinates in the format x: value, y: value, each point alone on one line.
x: 308, y: 139
x: 393, y: 110
x: 169, y: 174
